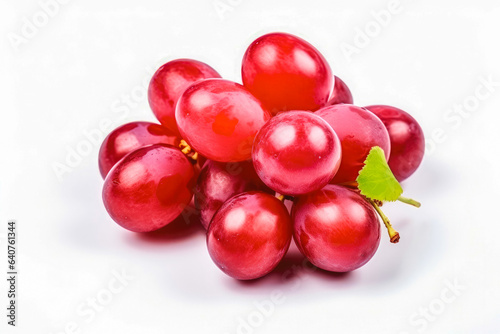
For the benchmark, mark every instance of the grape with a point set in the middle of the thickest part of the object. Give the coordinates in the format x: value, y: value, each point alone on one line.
x: 296, y: 152
x: 340, y: 94
x: 335, y: 228
x: 220, y: 119
x: 168, y: 83
x: 286, y: 73
x: 187, y: 223
x: 358, y: 130
x: 148, y: 188
x: 407, y: 140
x: 219, y: 181
x: 130, y: 137
x: 249, y: 235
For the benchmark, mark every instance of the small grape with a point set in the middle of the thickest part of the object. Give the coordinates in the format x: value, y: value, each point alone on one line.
x: 340, y: 94
x: 407, y: 140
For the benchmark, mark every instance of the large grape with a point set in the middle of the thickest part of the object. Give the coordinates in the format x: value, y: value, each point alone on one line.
x: 220, y: 119
x: 249, y: 235
x: 335, y: 228
x: 286, y: 73
x: 296, y: 152
x: 148, y: 188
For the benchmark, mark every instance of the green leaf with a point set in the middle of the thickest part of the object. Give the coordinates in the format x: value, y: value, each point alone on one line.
x: 376, y: 180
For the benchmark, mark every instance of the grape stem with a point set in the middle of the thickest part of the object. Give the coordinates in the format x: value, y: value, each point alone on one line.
x: 349, y: 184
x: 409, y: 201
x: 188, y: 151
x: 393, y: 234
x: 284, y: 198
x: 194, y: 156
x: 184, y: 146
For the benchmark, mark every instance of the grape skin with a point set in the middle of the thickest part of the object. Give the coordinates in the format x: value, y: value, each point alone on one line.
x: 340, y: 94
x: 219, y: 181
x: 335, y: 228
x: 220, y: 119
x: 296, y: 152
x: 129, y: 137
x: 148, y: 188
x: 169, y: 82
x: 407, y: 140
x: 249, y: 235
x: 358, y: 130
x: 286, y: 73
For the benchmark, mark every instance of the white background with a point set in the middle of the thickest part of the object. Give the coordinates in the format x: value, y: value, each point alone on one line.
x: 90, y: 62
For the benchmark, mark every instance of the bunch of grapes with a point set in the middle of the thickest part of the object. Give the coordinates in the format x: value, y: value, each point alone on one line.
x: 290, y: 131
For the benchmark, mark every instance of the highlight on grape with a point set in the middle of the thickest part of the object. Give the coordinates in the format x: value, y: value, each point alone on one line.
x: 289, y: 133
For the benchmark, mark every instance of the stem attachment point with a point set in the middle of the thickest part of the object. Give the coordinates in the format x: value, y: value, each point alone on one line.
x: 184, y: 146
x: 393, y: 234
x: 188, y: 151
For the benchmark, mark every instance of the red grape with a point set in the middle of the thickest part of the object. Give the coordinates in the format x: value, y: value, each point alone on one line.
x: 219, y: 181
x: 286, y: 73
x: 358, y: 130
x: 220, y: 119
x: 148, y: 188
x: 407, y: 140
x: 296, y: 152
x: 341, y: 93
x: 249, y: 235
x: 130, y: 137
x: 168, y: 83
x: 335, y: 228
